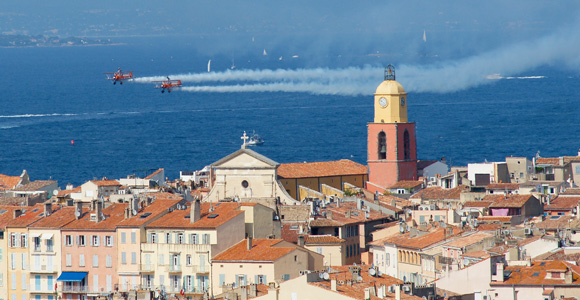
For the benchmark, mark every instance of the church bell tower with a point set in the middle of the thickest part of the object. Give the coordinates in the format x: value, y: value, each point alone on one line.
x: 392, y: 148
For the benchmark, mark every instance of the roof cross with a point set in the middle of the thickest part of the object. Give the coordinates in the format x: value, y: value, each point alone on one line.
x: 245, y: 138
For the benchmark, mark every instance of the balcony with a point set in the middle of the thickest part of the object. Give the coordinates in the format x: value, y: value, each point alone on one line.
x: 45, y: 269
x: 74, y: 289
x: 147, y: 268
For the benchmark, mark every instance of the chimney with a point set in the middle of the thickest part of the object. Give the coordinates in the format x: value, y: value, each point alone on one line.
x: 499, y: 272
x: 301, y: 240
x: 94, y: 204
x: 195, y: 211
x: 347, y: 214
x: 359, y: 203
x: 329, y: 214
x: 367, y: 293
x: 568, y: 276
x: 397, y: 292
x: 78, y: 209
x: 333, y: 285
x: 243, y: 293
x: 127, y: 212
x: 99, y: 210
x: 338, y: 202
x: 249, y: 243
x: 17, y: 213
x: 253, y: 291
x: 47, y: 208
x: 393, y: 203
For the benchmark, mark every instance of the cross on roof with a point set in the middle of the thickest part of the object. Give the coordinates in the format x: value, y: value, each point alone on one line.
x: 245, y: 138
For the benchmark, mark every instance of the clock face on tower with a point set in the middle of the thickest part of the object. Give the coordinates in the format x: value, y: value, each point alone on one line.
x: 402, y: 101
x: 383, y: 102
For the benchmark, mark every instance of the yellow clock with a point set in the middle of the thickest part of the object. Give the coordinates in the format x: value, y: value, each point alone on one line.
x: 383, y: 102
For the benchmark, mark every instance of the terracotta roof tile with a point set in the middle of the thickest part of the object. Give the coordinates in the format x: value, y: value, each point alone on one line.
x: 7, y: 214
x: 399, y: 202
x: 563, y: 203
x: 225, y: 212
x: 500, y: 201
x: 17, y: 201
x: 340, y: 215
x: 150, y: 212
x: 323, y: 239
x: 58, y: 218
x: 290, y: 231
x: 571, y: 191
x: 468, y: 240
x: 476, y: 254
x: 114, y: 214
x: 8, y: 182
x: 407, y: 184
x: 438, y: 193
x: 262, y: 250
x: 502, y: 186
x: 106, y: 182
x: 548, y: 161
x: 68, y: 192
x: 321, y: 169
x: 423, y: 241
x: 30, y: 214
x: 154, y: 173
x: 555, y: 222
x: 34, y: 185
x: 536, y: 274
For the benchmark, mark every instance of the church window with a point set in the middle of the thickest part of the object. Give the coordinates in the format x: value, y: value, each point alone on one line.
x: 406, y: 145
x: 382, y: 145
x: 245, y: 184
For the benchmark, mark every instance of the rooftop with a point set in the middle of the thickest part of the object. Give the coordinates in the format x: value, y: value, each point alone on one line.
x: 537, y: 274
x: 106, y: 182
x: 438, y: 193
x: 407, y: 184
x: 468, y: 240
x: 563, y: 203
x: 323, y: 239
x: 34, y: 185
x: 8, y: 182
x: 222, y: 213
x: 500, y: 201
x: 262, y: 250
x: 502, y: 186
x: 114, y: 214
x: 341, y: 167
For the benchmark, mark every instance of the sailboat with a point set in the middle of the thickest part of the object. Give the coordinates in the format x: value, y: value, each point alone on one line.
x: 233, y: 63
x: 424, y: 36
x: 265, y: 53
x: 209, y: 66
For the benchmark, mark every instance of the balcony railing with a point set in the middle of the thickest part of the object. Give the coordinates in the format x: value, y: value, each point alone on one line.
x: 75, y: 289
x: 174, y: 268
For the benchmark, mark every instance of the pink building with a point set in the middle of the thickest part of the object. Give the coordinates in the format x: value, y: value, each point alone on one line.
x: 89, y: 252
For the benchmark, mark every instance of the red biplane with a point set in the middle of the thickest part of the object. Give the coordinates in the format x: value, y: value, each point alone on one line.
x: 119, y: 76
x: 167, y: 84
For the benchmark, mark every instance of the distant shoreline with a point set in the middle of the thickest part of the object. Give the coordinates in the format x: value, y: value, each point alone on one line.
x: 64, y: 46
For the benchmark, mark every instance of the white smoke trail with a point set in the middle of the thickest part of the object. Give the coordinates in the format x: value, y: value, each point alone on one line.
x: 560, y: 47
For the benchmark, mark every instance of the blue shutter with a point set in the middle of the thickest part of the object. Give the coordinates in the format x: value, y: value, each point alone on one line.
x: 245, y: 280
x: 222, y: 279
x: 265, y: 279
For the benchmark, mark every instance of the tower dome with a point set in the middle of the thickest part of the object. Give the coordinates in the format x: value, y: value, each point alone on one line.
x: 390, y: 87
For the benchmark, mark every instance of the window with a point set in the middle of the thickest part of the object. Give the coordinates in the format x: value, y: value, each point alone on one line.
x: 49, y: 245
x: 133, y: 238
x: 68, y: 241
x: 261, y: 279
x: 521, y: 174
x: 319, y: 250
x: 153, y: 238
x: 24, y: 243
x: 36, y: 244
x: 81, y: 260
x: 382, y: 144
x: 23, y: 284
x: 189, y: 283
x: 69, y: 260
x: 109, y: 241
x: 50, y: 284
x: 82, y: 242
x: 180, y: 238
x: 37, y: 283
x: 188, y: 260
x: 95, y: 240
x: 134, y: 258
x: 193, y: 238
x: 406, y: 145
x: 96, y: 261
x: 109, y: 261
x: 205, y: 239
x: 245, y: 184
x: 13, y: 240
x: 161, y: 260
x: 124, y: 257
x: 123, y: 237
x: 168, y: 238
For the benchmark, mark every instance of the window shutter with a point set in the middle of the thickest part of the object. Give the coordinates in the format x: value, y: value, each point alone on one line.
x: 265, y: 280
x: 222, y: 279
x: 148, y: 238
x: 256, y: 279
x: 245, y: 280
x: 91, y: 240
x: 112, y: 239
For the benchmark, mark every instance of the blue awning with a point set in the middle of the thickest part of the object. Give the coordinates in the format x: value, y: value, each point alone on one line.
x: 72, y: 276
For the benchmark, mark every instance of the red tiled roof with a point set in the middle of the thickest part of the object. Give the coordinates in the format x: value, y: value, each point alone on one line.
x: 468, y: 240
x: 30, y: 214
x: 321, y: 169
x: 7, y: 214
x: 563, y: 203
x: 154, y: 173
x: 406, y: 184
x: 548, y: 161
x: 262, y: 250
x: 423, y: 241
x: 323, y: 239
x: 68, y: 192
x: 476, y: 254
x: 106, y: 182
x: 339, y: 215
x: 502, y: 186
x: 438, y: 193
x: 57, y: 218
x: 225, y: 212
x: 8, y: 182
x: 477, y: 204
x: 535, y: 275
x: 500, y: 201
x: 114, y: 214
x: 150, y: 212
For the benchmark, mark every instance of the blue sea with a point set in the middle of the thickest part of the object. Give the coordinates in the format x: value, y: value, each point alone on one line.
x: 50, y: 96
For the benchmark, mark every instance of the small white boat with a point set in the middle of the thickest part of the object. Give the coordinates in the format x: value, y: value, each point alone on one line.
x: 209, y: 66
x: 255, y: 139
x: 265, y: 53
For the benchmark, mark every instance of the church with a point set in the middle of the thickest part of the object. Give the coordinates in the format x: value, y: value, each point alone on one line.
x: 246, y: 175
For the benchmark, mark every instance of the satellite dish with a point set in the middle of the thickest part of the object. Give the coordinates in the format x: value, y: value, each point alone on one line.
x: 77, y: 213
x: 321, y: 275
x: 55, y: 192
x: 325, y: 276
x: 373, y: 272
x: 134, y: 212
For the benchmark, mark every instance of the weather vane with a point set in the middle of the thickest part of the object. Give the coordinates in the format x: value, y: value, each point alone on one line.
x: 390, y: 72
